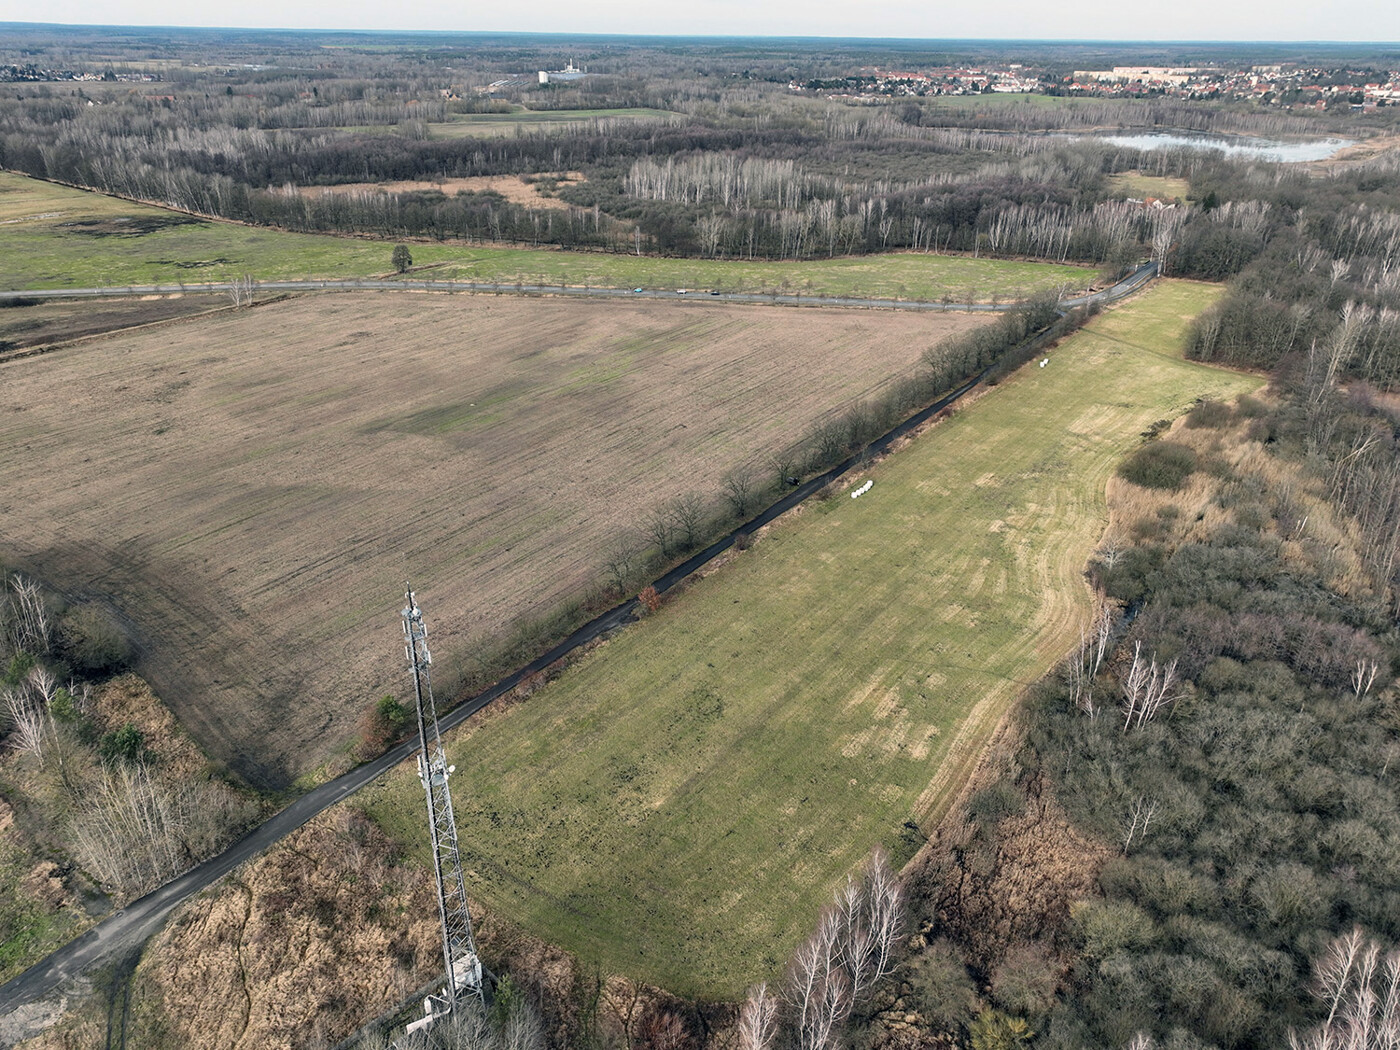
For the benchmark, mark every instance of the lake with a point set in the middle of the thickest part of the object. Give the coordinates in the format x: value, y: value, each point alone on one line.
x: 1234, y: 146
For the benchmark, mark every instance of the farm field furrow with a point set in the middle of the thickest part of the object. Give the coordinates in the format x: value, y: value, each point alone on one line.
x: 57, y: 237
x: 251, y: 489
x: 678, y: 805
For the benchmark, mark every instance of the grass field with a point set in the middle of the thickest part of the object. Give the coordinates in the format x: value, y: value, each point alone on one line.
x: 1137, y: 184
x: 252, y: 488
x: 55, y: 237
x: 678, y: 805
x: 902, y: 275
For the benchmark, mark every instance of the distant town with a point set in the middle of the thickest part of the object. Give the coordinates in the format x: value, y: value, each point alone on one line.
x: 1272, y: 85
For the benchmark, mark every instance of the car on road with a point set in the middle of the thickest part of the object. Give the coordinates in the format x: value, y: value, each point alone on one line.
x: 636, y: 289
x: 714, y: 291
x: 680, y: 291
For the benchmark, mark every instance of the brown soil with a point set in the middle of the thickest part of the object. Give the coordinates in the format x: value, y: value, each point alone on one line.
x: 251, y: 490
x: 513, y: 188
x: 42, y: 324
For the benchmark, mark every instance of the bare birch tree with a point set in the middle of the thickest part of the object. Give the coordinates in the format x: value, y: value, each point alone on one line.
x: 138, y: 830
x: 1139, y: 818
x: 1360, y: 987
x: 240, y: 290
x: 1084, y: 665
x: 849, y: 953
x: 758, y: 1020
x: 1146, y: 688
x: 1363, y: 676
x: 27, y: 623
x: 26, y: 723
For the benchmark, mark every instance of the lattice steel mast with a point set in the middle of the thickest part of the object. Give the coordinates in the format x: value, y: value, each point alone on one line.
x: 458, y: 946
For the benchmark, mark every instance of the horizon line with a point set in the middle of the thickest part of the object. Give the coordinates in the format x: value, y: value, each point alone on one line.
x: 796, y: 38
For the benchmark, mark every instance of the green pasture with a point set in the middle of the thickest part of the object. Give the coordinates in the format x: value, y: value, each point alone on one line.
x: 904, y: 275
x: 57, y: 237
x: 679, y: 804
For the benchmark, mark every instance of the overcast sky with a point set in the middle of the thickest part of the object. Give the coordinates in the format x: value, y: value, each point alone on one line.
x: 1351, y: 20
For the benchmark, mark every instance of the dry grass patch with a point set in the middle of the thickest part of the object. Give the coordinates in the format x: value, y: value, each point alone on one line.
x: 518, y: 189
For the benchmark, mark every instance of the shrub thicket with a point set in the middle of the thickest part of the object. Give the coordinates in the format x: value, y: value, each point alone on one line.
x: 1159, y: 465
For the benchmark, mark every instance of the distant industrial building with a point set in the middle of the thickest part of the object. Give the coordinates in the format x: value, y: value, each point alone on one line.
x: 559, y: 76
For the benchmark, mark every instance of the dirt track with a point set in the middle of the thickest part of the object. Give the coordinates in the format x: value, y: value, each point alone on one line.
x: 250, y: 491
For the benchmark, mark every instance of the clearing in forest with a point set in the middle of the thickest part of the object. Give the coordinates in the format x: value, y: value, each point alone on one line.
x: 678, y: 805
x: 252, y: 488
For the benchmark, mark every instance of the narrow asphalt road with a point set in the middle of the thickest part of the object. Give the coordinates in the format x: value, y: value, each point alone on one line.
x: 133, y: 925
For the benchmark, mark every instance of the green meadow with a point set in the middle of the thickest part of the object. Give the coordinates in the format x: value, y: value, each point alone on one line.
x: 679, y: 804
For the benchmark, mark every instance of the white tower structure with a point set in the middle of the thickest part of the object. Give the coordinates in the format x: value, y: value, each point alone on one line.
x: 463, y: 967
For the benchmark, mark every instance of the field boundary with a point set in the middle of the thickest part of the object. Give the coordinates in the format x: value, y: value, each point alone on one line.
x: 1126, y: 286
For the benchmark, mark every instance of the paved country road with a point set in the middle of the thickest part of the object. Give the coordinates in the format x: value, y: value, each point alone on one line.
x: 129, y: 928
x: 1124, y: 287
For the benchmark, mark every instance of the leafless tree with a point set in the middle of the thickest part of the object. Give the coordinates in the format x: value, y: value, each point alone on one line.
x: 758, y: 1019
x: 522, y: 1028
x: 1360, y: 987
x: 856, y: 936
x: 621, y: 561
x: 688, y: 513
x: 785, y: 467
x: 1146, y: 688
x: 137, y: 829
x: 1363, y: 676
x: 28, y: 625
x: 849, y: 953
x: 1084, y: 666
x: 711, y: 230
x: 240, y: 290
x: 1139, y: 817
x: 26, y: 722
x: 739, y: 490
x: 819, y: 988
x: 660, y: 529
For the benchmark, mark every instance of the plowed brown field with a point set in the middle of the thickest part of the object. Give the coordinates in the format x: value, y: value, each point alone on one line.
x: 251, y: 491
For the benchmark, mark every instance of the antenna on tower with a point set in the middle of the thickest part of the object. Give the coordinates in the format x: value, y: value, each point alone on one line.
x: 458, y: 948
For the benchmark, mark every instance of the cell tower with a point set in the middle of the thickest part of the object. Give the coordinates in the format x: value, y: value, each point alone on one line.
x: 464, y: 982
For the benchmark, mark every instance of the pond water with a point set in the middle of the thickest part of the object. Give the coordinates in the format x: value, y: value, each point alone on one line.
x: 1233, y: 146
